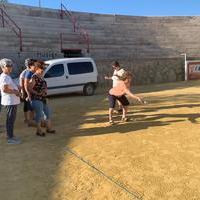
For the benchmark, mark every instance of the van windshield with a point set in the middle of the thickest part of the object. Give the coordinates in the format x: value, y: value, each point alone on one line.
x: 55, y: 71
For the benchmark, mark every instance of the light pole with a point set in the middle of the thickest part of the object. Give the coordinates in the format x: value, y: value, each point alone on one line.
x: 39, y: 3
x: 186, y: 70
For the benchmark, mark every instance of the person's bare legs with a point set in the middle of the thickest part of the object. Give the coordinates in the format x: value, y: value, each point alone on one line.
x: 49, y: 127
x: 43, y: 123
x: 39, y: 131
x: 124, y: 110
x: 31, y: 121
x: 110, y: 111
x: 120, y: 107
x: 26, y: 119
x: 31, y: 115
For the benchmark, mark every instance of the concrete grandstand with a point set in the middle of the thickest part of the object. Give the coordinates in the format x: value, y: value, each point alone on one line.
x: 148, y: 46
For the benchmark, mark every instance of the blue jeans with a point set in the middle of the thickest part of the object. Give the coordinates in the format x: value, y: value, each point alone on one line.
x: 11, y: 111
x: 40, y: 109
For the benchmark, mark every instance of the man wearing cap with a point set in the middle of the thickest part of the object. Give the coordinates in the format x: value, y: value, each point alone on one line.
x: 9, y: 98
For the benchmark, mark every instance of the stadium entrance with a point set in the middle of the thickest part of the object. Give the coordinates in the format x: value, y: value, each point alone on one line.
x: 72, y: 53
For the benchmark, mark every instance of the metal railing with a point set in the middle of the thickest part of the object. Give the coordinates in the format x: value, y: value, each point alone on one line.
x: 61, y: 42
x: 6, y: 19
x: 76, y: 26
x: 66, y: 12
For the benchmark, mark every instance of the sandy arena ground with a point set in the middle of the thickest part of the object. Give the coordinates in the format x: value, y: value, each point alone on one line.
x: 155, y: 156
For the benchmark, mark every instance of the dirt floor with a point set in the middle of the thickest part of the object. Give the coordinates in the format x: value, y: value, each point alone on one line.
x: 155, y: 156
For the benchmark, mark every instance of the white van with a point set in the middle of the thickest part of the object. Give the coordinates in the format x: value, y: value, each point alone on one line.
x: 68, y: 75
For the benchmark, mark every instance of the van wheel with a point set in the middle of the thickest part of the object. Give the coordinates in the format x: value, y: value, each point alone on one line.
x: 88, y: 89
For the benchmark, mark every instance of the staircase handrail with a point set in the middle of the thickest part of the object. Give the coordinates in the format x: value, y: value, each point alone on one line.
x: 16, y: 29
x: 65, y: 11
x: 85, y: 36
x: 76, y: 26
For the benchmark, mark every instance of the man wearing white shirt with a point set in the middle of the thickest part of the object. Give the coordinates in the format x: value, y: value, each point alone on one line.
x: 9, y: 98
x: 118, y: 71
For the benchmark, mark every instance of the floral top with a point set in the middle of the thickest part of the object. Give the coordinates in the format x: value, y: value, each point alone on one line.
x: 40, y: 87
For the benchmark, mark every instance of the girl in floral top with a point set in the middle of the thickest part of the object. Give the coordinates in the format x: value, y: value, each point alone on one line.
x: 38, y: 92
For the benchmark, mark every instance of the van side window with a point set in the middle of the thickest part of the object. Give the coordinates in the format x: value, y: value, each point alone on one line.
x: 80, y: 68
x: 55, y: 71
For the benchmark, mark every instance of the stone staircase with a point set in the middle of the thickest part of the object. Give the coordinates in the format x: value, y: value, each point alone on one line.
x: 111, y: 36
x: 40, y: 30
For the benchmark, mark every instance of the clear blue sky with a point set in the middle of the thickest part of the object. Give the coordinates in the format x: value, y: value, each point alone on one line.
x: 124, y: 7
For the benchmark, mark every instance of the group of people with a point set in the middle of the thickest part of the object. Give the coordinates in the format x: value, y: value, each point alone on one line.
x: 32, y: 90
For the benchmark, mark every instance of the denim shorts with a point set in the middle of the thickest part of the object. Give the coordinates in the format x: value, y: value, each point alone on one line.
x: 122, y: 99
x: 41, y: 110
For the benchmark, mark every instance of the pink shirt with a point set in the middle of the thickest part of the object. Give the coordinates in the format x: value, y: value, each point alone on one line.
x: 119, y: 89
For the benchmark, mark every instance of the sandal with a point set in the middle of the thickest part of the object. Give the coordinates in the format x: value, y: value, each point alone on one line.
x: 40, y: 134
x: 111, y: 122
x: 119, y: 111
x: 51, y: 131
x: 124, y: 119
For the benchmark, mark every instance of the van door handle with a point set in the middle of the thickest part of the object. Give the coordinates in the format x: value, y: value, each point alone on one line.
x: 67, y: 77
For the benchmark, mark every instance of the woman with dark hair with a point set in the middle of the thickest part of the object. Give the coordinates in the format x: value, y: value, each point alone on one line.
x: 38, y: 91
